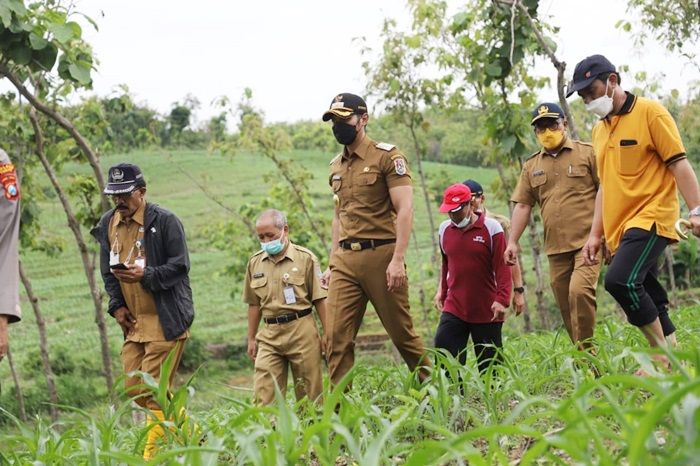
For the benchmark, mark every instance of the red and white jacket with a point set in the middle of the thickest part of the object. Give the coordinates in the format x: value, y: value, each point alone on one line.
x: 474, y: 273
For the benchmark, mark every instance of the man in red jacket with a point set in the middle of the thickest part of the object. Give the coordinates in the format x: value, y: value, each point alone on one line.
x: 476, y: 282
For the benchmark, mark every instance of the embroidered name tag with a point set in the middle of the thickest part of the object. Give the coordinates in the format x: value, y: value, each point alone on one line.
x: 258, y: 275
x: 538, y: 173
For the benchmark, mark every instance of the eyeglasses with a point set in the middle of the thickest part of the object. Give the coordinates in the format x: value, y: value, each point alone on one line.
x: 545, y: 124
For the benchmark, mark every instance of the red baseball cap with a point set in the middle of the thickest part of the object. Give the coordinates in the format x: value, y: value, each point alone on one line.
x: 455, y: 196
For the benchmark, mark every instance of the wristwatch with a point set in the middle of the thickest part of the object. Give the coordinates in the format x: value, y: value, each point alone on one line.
x: 694, y: 212
x: 519, y: 289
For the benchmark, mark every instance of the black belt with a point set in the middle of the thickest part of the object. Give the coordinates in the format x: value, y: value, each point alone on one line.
x: 285, y: 318
x: 360, y: 244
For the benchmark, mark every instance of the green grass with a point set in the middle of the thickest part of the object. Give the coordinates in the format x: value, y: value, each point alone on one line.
x: 543, y: 406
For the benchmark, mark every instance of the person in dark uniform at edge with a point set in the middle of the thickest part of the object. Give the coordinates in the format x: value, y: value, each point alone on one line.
x: 9, y: 250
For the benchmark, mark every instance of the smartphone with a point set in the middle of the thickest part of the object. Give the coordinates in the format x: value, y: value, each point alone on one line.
x: 119, y: 266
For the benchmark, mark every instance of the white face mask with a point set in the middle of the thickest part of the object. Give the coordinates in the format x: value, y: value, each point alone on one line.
x: 465, y: 221
x: 603, y: 105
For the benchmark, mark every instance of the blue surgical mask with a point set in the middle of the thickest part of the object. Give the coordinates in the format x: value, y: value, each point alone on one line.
x: 273, y: 247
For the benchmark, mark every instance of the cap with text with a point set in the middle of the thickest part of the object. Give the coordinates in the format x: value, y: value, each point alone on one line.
x: 345, y: 105
x: 455, y: 196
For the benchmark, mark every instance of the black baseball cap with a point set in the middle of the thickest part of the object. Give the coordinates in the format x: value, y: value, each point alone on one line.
x: 474, y: 187
x: 345, y: 105
x: 587, y: 70
x: 546, y: 110
x: 124, y: 178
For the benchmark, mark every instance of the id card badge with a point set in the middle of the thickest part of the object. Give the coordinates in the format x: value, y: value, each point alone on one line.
x: 289, y: 297
x: 113, y: 258
x: 140, y: 262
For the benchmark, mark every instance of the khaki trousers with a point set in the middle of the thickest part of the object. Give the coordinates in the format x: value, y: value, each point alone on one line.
x: 356, y: 278
x: 574, y: 286
x: 148, y: 357
x: 295, y: 344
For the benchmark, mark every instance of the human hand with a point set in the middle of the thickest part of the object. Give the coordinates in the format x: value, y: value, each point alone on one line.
x: 695, y: 224
x: 132, y: 274
x: 326, y: 279
x: 125, y: 320
x: 438, y: 302
x: 499, y: 311
x: 518, y: 303
x: 252, y: 348
x: 395, y: 275
x: 4, y: 340
x: 591, y: 249
x: 510, y: 255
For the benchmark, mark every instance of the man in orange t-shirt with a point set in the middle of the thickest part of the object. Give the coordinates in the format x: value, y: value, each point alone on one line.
x: 641, y: 163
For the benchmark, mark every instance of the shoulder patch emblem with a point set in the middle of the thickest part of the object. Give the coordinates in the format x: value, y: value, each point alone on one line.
x: 400, y: 166
x: 384, y: 146
x: 8, y: 181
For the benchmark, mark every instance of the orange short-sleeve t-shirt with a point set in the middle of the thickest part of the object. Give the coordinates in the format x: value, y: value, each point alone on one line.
x: 634, y: 149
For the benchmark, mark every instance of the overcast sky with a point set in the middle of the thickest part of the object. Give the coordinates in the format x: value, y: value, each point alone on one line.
x: 296, y: 55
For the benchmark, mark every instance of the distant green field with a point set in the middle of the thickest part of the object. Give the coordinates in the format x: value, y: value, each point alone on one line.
x: 60, y: 281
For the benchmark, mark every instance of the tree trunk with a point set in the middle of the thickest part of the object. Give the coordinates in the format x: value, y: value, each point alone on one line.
x: 425, y: 307
x: 63, y: 122
x: 18, y: 388
x: 536, y: 248
x: 74, y: 225
x: 558, y: 64
x: 668, y: 255
x: 43, y: 344
x: 426, y: 195
x: 526, y: 310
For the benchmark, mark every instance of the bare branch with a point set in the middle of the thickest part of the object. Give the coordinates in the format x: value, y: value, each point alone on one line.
x: 62, y: 121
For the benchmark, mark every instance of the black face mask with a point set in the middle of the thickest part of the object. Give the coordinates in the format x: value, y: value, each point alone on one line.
x: 345, y: 134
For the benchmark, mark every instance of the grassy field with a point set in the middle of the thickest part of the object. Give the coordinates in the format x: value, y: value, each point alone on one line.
x: 545, y: 405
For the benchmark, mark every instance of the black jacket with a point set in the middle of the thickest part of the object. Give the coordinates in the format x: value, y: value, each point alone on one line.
x: 165, y: 275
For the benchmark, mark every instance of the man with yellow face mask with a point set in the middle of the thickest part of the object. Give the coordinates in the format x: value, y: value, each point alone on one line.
x: 561, y: 178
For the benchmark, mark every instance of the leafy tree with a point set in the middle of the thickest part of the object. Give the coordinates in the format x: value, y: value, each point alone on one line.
x: 673, y: 23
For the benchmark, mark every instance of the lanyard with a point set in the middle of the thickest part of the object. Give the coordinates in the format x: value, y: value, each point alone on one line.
x: 138, y: 245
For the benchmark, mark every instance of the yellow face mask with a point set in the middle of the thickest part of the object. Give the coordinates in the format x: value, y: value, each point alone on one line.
x: 550, y: 139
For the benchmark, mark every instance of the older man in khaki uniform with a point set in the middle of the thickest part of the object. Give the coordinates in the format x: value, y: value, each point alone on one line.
x: 371, y: 228
x: 562, y: 179
x: 9, y: 256
x: 281, y: 285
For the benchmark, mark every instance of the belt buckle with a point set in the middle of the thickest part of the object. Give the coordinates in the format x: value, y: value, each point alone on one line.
x: 357, y: 246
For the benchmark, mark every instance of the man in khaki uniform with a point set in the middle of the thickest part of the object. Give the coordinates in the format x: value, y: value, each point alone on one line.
x: 145, y: 265
x: 561, y: 177
x: 371, y: 228
x: 9, y: 255
x: 281, y: 284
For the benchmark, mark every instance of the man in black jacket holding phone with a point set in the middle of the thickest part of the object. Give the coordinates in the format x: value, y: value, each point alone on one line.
x: 145, y: 264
